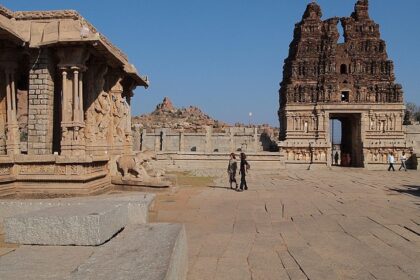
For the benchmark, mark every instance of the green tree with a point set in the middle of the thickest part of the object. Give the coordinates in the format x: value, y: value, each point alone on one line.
x: 412, y: 113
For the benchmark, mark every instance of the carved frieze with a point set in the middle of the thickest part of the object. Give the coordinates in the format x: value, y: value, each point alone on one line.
x: 5, y: 170
x: 57, y: 169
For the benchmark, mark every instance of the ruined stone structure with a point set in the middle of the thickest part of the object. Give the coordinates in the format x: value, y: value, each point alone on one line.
x: 351, y: 81
x: 65, y: 95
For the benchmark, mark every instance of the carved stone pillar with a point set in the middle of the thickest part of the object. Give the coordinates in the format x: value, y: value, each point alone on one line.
x: 128, y: 87
x: 181, y: 141
x: 256, y: 140
x: 163, y: 140
x: 72, y: 124
x: 72, y: 66
x: 119, y: 115
x: 158, y: 141
x: 209, y: 132
x: 12, y: 126
x: 97, y: 113
x: 143, y: 140
x: 136, y: 137
x: 3, y: 113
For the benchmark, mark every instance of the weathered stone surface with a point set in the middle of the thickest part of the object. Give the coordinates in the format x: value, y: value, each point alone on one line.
x: 153, y: 252
x: 138, y: 205
x: 43, y: 262
x: 85, y: 225
x: 156, y: 251
x: 324, y: 224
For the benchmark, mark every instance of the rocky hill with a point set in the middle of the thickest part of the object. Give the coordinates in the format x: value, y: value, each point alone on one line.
x: 168, y: 116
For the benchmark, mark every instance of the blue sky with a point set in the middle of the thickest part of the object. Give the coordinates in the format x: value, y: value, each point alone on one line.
x: 226, y: 56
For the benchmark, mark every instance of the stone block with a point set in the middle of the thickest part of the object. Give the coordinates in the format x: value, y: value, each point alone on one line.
x: 138, y: 207
x: 85, y: 225
x: 152, y: 251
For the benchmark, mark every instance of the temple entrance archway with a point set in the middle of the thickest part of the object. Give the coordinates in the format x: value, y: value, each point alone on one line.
x: 349, y: 146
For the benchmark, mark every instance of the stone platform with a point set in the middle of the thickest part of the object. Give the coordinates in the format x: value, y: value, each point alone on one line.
x: 72, y: 221
x: 152, y: 252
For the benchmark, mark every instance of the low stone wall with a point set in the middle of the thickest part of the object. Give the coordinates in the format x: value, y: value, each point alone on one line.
x: 205, y: 141
x: 271, y: 161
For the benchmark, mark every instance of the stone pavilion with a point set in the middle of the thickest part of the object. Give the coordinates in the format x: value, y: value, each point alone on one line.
x: 65, y: 94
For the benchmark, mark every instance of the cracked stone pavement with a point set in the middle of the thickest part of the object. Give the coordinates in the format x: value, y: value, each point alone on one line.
x: 318, y: 224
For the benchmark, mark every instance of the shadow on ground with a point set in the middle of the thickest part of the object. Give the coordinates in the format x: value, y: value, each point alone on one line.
x: 409, y: 189
x: 219, y: 187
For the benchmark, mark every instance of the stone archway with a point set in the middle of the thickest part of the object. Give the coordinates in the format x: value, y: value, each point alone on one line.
x: 351, y: 145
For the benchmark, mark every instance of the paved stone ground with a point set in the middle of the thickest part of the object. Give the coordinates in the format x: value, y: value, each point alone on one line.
x: 335, y: 224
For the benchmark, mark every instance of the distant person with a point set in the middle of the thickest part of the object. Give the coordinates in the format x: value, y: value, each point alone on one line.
x: 403, y: 160
x: 232, y: 167
x: 391, y: 161
x: 336, y: 156
x: 242, y: 171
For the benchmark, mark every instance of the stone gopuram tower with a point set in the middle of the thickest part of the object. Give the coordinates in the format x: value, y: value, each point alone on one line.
x: 353, y: 82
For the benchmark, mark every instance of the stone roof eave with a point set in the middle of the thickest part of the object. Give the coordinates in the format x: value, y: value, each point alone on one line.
x: 13, y: 35
x: 97, y: 43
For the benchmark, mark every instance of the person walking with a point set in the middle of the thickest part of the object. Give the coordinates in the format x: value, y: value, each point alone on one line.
x: 232, y: 167
x: 336, y: 156
x: 242, y: 171
x: 391, y: 161
x: 403, y: 160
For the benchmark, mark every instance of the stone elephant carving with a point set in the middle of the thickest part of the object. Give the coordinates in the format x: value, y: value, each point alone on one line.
x: 139, y: 164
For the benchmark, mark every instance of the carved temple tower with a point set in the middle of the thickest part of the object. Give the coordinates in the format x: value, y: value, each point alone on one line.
x: 353, y: 82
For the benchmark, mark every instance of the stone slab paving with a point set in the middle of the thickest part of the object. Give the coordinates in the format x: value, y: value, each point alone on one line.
x: 319, y: 224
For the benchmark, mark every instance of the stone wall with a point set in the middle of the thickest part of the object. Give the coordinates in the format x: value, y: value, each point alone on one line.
x: 205, y: 141
x: 41, y: 104
x: 413, y: 137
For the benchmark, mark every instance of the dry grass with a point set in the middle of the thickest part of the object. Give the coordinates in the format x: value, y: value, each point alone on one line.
x: 184, y: 179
